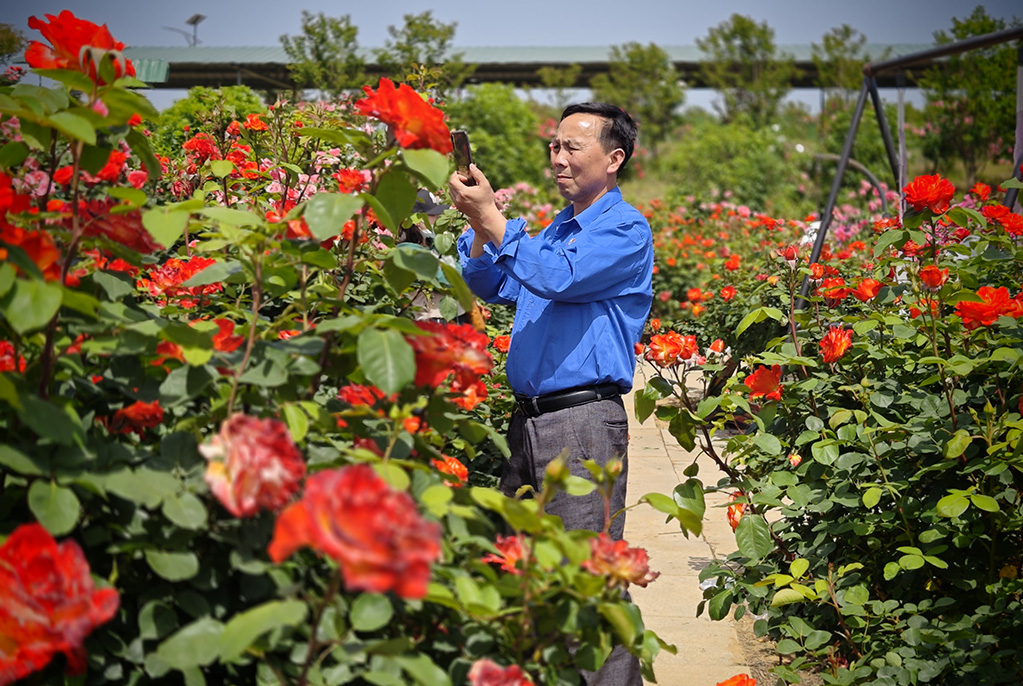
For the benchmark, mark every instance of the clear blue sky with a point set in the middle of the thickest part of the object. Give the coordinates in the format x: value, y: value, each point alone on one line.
x: 519, y: 22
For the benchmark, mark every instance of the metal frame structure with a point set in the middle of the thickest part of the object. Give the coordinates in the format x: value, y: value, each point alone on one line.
x: 871, y: 71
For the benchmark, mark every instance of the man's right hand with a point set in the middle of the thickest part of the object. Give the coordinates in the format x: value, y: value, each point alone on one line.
x: 479, y: 205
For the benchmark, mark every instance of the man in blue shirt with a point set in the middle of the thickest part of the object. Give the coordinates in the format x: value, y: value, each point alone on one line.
x: 582, y: 293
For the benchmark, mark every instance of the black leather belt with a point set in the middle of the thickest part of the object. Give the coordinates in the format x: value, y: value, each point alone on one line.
x: 534, y: 406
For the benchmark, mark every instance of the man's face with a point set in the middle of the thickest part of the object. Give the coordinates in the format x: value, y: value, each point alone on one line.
x: 579, y: 162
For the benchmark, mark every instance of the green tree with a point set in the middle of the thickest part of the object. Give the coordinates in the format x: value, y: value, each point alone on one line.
x: 839, y: 59
x: 971, y: 98
x: 326, y: 55
x: 207, y: 108
x: 643, y: 81
x: 419, y: 53
x: 504, y: 132
x: 560, y: 80
x: 12, y: 42
x: 743, y: 65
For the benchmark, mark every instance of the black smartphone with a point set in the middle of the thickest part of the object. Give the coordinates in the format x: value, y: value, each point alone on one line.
x: 463, y: 154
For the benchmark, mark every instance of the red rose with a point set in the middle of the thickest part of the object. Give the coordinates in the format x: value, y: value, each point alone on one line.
x: 867, y: 290
x: 511, y: 552
x: 253, y: 465
x: 727, y: 293
x: 929, y: 192
x: 38, y: 245
x: 77, y: 44
x: 502, y: 343
x: 764, y: 383
x: 834, y: 290
x: 253, y: 122
x: 7, y: 361
x: 414, y: 122
x: 932, y: 277
x: 486, y: 672
x: 834, y: 344
x: 136, y: 418
x: 374, y: 532
x: 455, y: 350
x: 739, y: 680
x: 621, y: 564
x: 996, y: 302
x: 736, y: 510
x: 48, y: 603
x: 453, y: 467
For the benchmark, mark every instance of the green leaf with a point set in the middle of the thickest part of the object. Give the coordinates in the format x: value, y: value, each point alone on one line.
x: 195, y: 645
x: 423, y: 670
x: 13, y: 154
x: 173, y: 566
x: 9, y: 392
x: 768, y: 443
x: 786, y: 596
x: 625, y: 619
x: 753, y: 536
x: 164, y: 226
x: 416, y: 259
x: 243, y: 629
x: 232, y: 217
x: 297, y: 421
x: 183, y: 384
x: 689, y: 495
x: 799, y: 567
x: 871, y: 497
x: 958, y: 444
x: 952, y: 505
x: 720, y: 604
x: 462, y: 291
x: 55, y: 507
x: 49, y: 421
x: 786, y: 646
x: 185, y: 510
x: 75, y: 80
x: 215, y: 273
x: 888, y: 238
x: 221, y: 168
x: 371, y: 611
x: 398, y: 195
x: 7, y: 277
x: 140, y: 146
x: 984, y: 502
x: 31, y: 304
x: 386, y: 358
x: 431, y: 166
x: 73, y: 126
x: 326, y: 213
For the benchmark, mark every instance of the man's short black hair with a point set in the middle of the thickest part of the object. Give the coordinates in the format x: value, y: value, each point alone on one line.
x: 619, y: 130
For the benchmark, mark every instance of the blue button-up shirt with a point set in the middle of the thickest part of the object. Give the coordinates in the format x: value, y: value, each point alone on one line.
x: 581, y: 289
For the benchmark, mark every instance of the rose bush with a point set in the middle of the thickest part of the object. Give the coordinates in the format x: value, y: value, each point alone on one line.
x: 212, y: 391
x: 875, y: 495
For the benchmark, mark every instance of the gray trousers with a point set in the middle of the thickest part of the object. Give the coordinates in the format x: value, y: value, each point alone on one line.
x: 595, y: 431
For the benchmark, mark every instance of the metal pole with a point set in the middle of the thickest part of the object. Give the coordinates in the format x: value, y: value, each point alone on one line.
x: 1012, y: 195
x: 900, y: 80
x: 829, y: 208
x: 882, y: 121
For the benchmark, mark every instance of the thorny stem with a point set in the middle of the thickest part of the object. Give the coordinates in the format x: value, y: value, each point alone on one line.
x: 47, y: 358
x: 257, y: 295
x: 838, y: 610
x: 332, y: 589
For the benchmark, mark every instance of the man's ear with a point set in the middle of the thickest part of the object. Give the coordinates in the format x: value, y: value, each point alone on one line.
x: 617, y: 158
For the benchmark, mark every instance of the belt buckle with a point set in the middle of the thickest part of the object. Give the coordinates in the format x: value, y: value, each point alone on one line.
x: 535, y: 406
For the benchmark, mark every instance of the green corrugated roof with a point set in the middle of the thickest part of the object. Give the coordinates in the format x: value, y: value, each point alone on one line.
x: 518, y: 54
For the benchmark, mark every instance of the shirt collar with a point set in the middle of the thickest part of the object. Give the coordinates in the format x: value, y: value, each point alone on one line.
x: 591, y: 213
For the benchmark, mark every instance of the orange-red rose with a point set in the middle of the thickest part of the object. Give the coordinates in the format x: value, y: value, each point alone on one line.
x: 835, y: 343
x: 735, y: 510
x: 510, y: 553
x: 996, y: 302
x: 253, y: 465
x: 932, y: 277
x: 374, y: 532
x: 621, y: 564
x: 867, y: 289
x: 75, y: 44
x: 764, y: 382
x: 739, y: 680
x: 48, y: 603
x: 929, y: 193
x: 136, y: 418
x: 502, y: 342
x: 414, y: 122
